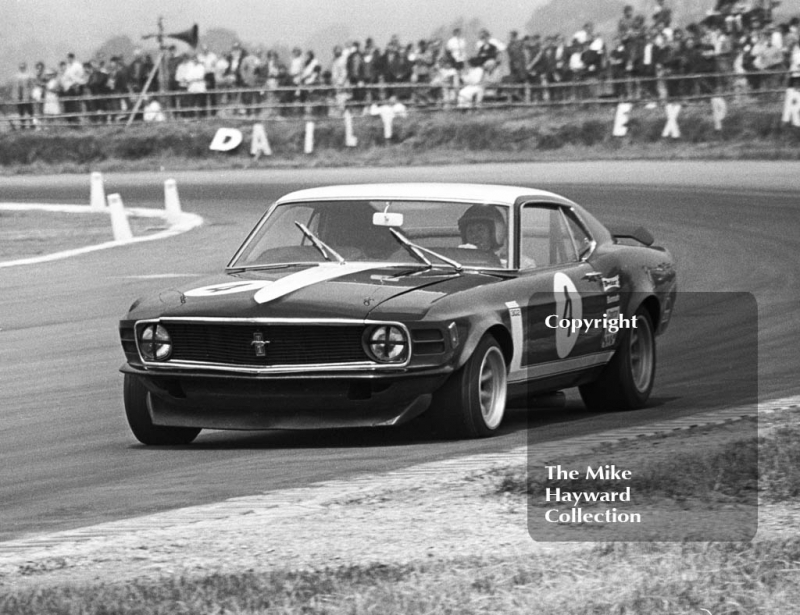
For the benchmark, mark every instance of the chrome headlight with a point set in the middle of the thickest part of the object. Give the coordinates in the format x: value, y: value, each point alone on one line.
x: 155, y: 344
x: 386, y: 344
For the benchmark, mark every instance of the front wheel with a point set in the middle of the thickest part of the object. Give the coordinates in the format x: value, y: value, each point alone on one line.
x: 472, y: 403
x: 627, y: 380
x: 141, y: 423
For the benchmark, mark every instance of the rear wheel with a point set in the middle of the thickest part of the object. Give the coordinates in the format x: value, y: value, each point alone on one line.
x: 472, y: 403
x: 141, y: 423
x: 627, y: 380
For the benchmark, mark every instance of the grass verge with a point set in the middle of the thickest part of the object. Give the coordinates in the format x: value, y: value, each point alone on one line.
x: 720, y: 472
x: 751, y: 131
x: 25, y: 234
x: 725, y: 578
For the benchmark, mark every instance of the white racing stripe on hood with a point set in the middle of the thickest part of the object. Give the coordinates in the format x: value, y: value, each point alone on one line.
x: 308, y: 277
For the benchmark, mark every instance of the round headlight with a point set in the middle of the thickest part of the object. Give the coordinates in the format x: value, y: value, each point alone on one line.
x: 155, y: 343
x: 387, y: 344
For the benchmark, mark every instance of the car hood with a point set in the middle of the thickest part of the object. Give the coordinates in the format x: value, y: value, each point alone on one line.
x: 329, y: 290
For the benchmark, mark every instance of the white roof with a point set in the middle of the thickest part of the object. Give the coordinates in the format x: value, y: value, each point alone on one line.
x: 474, y: 193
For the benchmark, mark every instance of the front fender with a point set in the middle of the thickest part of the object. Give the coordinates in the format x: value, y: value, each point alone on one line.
x: 497, y: 324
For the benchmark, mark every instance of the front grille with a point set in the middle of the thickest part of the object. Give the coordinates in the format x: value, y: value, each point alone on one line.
x: 289, y: 344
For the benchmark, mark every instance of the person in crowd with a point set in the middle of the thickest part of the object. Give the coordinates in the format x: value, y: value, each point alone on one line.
x: 662, y: 15
x: 233, y: 70
x: 478, y: 82
x: 339, y: 78
x: 209, y: 59
x: 138, y: 72
x: 355, y: 72
x: 224, y: 81
x: 296, y: 65
x: 446, y: 80
x: 117, y: 86
x: 271, y: 73
x: 423, y: 66
x: 52, y: 94
x: 73, y: 81
x: 673, y: 64
x: 536, y: 67
x: 372, y: 68
x: 575, y: 69
x: 39, y: 88
x: 97, y: 88
x: 250, y: 70
x: 457, y: 48
x: 397, y: 68
x: 769, y: 59
x: 617, y: 63
x: 517, y: 63
x: 487, y: 48
x: 24, y: 82
x: 794, y: 64
x: 724, y: 56
x: 310, y: 76
x: 593, y: 58
x: 647, y: 66
x: 196, y: 88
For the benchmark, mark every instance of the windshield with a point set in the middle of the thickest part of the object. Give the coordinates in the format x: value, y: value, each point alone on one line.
x: 472, y: 234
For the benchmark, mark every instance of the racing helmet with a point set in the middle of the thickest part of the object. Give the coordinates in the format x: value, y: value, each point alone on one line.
x: 489, y: 215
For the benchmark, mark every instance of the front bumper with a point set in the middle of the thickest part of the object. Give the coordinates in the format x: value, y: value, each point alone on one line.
x: 185, y: 399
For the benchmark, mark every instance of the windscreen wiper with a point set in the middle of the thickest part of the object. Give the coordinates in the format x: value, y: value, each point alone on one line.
x: 417, y: 251
x: 320, y: 245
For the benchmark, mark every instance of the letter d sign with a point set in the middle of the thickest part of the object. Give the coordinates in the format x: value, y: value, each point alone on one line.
x: 226, y: 139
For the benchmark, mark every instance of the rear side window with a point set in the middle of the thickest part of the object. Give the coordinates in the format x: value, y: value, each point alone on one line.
x: 546, y: 238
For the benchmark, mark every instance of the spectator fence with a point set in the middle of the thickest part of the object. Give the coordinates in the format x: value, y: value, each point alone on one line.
x: 327, y: 102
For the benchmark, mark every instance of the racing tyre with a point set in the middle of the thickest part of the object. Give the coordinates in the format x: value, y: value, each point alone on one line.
x: 472, y: 403
x: 627, y: 380
x: 141, y: 424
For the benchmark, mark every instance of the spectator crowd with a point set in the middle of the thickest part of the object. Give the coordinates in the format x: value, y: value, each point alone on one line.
x: 736, y: 48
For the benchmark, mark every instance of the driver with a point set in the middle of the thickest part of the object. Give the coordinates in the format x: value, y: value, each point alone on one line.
x: 483, y: 227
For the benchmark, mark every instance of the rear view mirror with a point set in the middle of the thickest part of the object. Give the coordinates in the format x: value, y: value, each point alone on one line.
x: 392, y: 220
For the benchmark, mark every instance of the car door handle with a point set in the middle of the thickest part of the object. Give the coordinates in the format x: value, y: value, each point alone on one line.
x: 593, y: 276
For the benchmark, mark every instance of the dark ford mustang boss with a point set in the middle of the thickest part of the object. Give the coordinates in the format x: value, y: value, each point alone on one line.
x: 371, y: 305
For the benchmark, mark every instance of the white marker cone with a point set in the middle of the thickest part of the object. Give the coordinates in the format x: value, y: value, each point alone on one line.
x: 119, y: 220
x: 172, y: 202
x: 97, y: 195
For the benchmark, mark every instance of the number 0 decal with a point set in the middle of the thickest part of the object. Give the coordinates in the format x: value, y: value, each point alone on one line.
x: 569, y: 306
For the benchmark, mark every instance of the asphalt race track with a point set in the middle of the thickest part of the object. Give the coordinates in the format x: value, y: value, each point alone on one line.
x: 67, y: 458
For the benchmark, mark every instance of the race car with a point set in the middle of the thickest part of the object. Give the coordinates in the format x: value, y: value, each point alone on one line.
x: 376, y: 305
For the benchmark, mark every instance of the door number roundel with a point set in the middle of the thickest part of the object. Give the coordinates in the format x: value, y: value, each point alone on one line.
x: 568, y: 306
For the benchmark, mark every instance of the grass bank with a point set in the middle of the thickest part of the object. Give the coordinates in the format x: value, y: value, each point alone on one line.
x: 725, y: 578
x: 750, y: 132
x: 25, y: 234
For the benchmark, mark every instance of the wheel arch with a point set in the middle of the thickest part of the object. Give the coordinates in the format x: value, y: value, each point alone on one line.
x: 653, y: 307
x: 499, y: 331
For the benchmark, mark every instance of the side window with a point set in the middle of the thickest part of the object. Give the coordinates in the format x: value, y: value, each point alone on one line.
x: 583, y: 241
x: 545, y: 237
